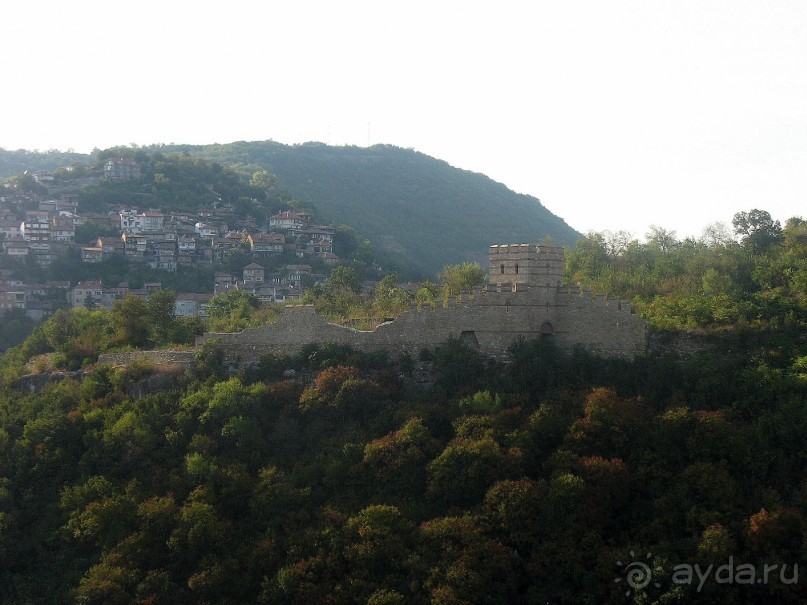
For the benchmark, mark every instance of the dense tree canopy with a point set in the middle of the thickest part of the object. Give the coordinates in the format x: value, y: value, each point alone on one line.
x: 339, y: 477
x: 709, y: 283
x: 358, y: 487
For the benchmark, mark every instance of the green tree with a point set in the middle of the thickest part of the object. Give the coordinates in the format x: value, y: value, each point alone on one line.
x: 339, y: 296
x: 232, y: 311
x: 343, y: 277
x: 389, y: 299
x: 130, y: 321
x: 662, y: 239
x: 757, y: 230
x: 160, y: 308
x: 378, y: 541
x: 345, y: 242
x: 397, y: 462
x: 425, y: 298
x: 466, y: 566
x: 16, y: 327
x: 462, y: 278
x: 264, y: 181
x: 459, y: 368
x: 466, y: 468
x: 364, y: 254
x: 512, y: 511
x: 89, y: 302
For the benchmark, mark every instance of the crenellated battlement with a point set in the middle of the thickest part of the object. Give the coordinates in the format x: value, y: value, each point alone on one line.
x: 511, y: 295
x: 526, y: 264
x: 525, y: 297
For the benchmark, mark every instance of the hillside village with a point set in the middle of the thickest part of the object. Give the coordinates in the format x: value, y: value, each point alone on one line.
x: 38, y: 228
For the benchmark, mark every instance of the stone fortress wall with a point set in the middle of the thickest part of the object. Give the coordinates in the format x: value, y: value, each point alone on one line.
x: 526, y: 298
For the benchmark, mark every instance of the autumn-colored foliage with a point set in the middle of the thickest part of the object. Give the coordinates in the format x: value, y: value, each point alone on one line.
x: 535, y: 479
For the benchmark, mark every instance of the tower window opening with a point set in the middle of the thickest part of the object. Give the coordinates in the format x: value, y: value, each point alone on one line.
x: 502, y: 268
x: 516, y: 268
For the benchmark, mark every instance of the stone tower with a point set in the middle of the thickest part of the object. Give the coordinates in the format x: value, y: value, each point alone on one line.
x: 525, y: 298
x: 531, y: 264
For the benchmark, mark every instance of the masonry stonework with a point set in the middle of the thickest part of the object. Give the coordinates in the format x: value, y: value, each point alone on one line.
x: 526, y: 298
x: 525, y: 264
x: 163, y: 357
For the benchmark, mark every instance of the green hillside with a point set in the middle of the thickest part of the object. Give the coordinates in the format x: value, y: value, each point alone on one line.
x: 420, y: 209
x: 17, y: 162
x: 416, y: 210
x: 339, y: 477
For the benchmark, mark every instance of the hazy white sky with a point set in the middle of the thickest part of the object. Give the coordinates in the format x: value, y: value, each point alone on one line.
x: 616, y: 114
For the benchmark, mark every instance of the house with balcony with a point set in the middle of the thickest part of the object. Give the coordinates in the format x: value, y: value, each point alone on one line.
x: 111, y: 246
x: 43, y: 176
x: 36, y: 226
x: 224, y: 282
x: 186, y: 245
x: 135, y: 247
x: 49, y: 206
x: 10, y: 227
x: 254, y: 275
x: 160, y: 236
x: 67, y: 214
x: 121, y: 169
x: 135, y: 222
x: 86, y: 292
x: 186, y: 251
x: 12, y: 297
x: 264, y: 244
x: 296, y: 273
x: 7, y: 279
x: 110, y: 295
x: 68, y: 202
x: 288, y: 293
x: 38, y: 310
x: 192, y: 305
x: 35, y: 230
x: 179, y: 216
x: 153, y: 220
x: 222, y: 246
x: 206, y: 230
x: 163, y: 255
x: 131, y: 221
x: 16, y: 247
x: 319, y: 239
x: 289, y: 220
x: 62, y: 229
x: 92, y: 254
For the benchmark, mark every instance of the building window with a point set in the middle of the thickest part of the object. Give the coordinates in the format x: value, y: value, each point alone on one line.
x: 516, y: 268
x: 502, y: 268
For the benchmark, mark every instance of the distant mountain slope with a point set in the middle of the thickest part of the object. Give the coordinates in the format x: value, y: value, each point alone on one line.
x: 409, y: 204
x: 17, y: 162
x: 415, y: 208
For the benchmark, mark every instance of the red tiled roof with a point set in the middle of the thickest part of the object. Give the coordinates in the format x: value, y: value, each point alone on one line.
x: 268, y: 238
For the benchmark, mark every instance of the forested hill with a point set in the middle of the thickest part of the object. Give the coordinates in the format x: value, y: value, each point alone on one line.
x: 406, y: 202
x: 422, y: 211
x: 17, y: 162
